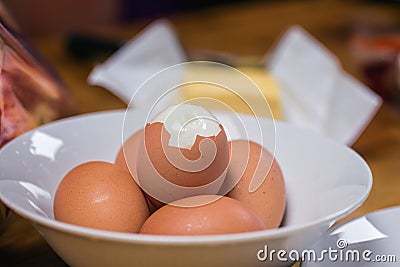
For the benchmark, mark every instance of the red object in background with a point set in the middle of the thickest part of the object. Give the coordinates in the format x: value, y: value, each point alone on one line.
x: 30, y: 92
x: 379, y: 58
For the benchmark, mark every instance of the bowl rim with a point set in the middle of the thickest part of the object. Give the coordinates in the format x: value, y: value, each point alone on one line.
x: 268, y: 234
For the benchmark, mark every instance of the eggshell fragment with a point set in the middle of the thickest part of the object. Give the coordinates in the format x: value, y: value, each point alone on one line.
x: 259, y: 181
x: 100, y: 195
x: 202, y: 215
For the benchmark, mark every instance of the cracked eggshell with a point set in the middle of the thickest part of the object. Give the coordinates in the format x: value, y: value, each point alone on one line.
x: 184, y: 152
x: 167, y: 173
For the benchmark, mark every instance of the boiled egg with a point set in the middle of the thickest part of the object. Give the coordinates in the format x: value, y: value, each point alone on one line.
x: 130, y: 147
x: 100, y: 195
x: 257, y: 181
x: 184, y: 152
x: 202, y: 215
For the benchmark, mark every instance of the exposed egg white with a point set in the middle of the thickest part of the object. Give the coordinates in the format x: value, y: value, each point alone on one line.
x: 185, y: 121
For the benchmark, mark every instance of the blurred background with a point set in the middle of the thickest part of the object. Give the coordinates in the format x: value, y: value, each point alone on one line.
x: 45, y: 16
x: 371, y: 38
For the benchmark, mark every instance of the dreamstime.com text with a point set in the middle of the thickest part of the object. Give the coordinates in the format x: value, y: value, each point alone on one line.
x: 340, y: 253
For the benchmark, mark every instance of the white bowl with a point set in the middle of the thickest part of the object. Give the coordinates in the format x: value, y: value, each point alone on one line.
x: 324, y: 180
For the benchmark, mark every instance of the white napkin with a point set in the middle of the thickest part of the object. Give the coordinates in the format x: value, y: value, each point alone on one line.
x: 359, y: 230
x: 316, y: 93
x: 155, y: 48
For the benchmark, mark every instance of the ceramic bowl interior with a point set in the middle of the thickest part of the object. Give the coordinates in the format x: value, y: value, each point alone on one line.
x: 324, y: 182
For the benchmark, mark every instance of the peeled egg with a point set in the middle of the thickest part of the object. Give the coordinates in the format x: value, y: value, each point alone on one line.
x: 100, y: 195
x: 184, y: 152
x: 258, y: 181
x: 202, y: 215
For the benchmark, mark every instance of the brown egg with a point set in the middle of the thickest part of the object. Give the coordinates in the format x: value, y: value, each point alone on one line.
x: 202, y: 215
x: 171, y: 166
x: 130, y: 148
x: 258, y: 181
x: 100, y: 195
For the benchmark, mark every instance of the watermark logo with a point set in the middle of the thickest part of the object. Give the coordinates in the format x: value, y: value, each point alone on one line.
x: 341, y: 243
x: 340, y: 253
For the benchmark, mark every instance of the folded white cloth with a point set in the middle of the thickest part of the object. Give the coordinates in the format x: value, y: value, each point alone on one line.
x: 154, y: 49
x: 316, y: 92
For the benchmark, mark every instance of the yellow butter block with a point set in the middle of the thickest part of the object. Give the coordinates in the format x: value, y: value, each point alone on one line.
x: 256, y: 92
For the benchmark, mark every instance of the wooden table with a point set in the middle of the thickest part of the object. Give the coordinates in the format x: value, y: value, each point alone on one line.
x: 245, y: 30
